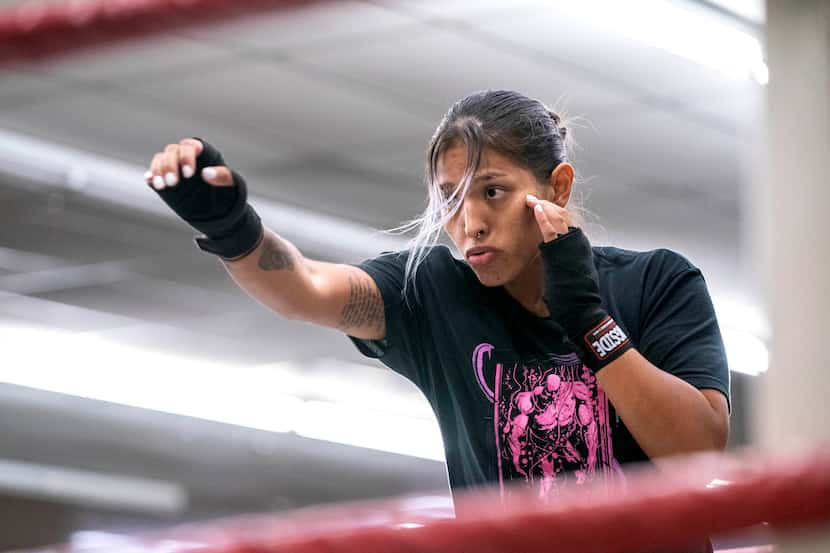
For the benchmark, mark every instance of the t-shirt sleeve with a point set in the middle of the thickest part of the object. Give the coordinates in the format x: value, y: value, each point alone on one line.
x: 679, y: 331
x: 400, y: 349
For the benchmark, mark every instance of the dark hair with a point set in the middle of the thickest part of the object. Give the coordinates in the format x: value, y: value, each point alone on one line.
x: 516, y: 126
x: 520, y: 128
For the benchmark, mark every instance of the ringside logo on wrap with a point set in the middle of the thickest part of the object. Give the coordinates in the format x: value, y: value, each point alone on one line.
x: 605, y: 338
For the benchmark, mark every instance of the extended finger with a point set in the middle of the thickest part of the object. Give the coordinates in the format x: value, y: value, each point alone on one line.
x: 545, y: 225
x: 558, y: 216
x: 170, y: 165
x: 550, y: 217
x: 189, y: 150
x: 155, y: 169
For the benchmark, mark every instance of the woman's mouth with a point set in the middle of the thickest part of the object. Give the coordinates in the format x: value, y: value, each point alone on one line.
x: 480, y: 258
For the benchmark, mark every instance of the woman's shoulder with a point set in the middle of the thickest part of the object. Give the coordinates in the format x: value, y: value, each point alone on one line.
x: 632, y: 279
x: 662, y: 260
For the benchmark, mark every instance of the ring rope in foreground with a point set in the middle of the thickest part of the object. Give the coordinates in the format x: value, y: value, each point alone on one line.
x: 37, y: 29
x: 662, y: 509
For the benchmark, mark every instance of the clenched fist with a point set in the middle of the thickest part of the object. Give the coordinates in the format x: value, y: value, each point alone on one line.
x: 191, y: 177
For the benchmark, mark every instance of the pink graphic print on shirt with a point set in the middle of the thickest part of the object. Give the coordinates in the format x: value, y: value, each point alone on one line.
x: 550, y: 420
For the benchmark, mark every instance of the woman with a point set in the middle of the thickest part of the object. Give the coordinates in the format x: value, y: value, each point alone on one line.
x: 547, y: 361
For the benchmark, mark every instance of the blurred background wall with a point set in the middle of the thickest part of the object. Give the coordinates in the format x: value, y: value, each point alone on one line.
x: 140, y: 387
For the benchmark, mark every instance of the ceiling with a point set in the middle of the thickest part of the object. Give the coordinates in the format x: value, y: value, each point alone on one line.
x: 327, y: 108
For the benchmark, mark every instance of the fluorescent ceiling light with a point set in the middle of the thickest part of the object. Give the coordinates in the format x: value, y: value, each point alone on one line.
x: 685, y: 32
x: 752, y: 10
x: 91, y: 488
x: 741, y: 315
x: 87, y: 365
x: 352, y: 425
x: 745, y: 330
x: 745, y: 352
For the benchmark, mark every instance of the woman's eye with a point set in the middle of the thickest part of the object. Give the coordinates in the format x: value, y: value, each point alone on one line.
x: 493, y: 192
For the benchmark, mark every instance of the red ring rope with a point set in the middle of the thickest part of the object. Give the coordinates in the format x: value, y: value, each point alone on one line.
x: 33, y: 30
x: 658, y: 511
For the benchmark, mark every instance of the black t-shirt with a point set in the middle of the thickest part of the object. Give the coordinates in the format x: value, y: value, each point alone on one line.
x: 512, y: 399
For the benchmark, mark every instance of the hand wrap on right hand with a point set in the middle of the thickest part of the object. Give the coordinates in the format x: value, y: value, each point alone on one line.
x: 231, y: 227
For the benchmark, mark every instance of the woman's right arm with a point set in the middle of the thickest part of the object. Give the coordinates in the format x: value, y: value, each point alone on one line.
x: 192, y: 178
x: 335, y: 295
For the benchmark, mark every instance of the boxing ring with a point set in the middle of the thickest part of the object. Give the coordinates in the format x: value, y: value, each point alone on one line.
x: 787, y: 496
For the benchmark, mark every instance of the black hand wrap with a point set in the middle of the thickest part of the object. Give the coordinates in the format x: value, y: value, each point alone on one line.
x: 231, y: 227
x: 572, y: 295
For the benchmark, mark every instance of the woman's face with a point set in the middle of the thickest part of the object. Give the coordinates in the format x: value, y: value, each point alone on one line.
x: 494, y: 228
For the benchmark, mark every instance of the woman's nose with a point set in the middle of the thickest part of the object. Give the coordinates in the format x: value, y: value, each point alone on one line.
x: 473, y: 220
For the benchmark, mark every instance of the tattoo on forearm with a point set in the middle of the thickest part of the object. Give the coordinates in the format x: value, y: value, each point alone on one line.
x: 275, y: 255
x: 365, y: 306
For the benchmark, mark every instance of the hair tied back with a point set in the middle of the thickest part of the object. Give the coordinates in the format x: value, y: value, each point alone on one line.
x: 563, y: 132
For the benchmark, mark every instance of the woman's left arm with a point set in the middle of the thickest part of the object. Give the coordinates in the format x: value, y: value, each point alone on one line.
x: 666, y: 415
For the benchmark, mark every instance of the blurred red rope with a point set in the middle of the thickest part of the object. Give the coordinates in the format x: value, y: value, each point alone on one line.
x: 674, y: 508
x: 34, y: 30
x: 657, y: 513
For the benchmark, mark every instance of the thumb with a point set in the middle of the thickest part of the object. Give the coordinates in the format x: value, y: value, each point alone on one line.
x: 217, y: 176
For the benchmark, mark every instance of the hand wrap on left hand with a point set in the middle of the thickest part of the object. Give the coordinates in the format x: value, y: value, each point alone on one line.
x: 572, y: 295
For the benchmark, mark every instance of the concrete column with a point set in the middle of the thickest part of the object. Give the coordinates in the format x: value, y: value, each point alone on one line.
x: 791, y: 221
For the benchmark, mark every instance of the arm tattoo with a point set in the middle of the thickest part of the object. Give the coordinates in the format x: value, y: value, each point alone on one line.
x: 275, y: 256
x: 364, y: 308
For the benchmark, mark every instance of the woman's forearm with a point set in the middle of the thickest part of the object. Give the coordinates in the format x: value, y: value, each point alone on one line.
x: 275, y: 273
x: 666, y: 415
